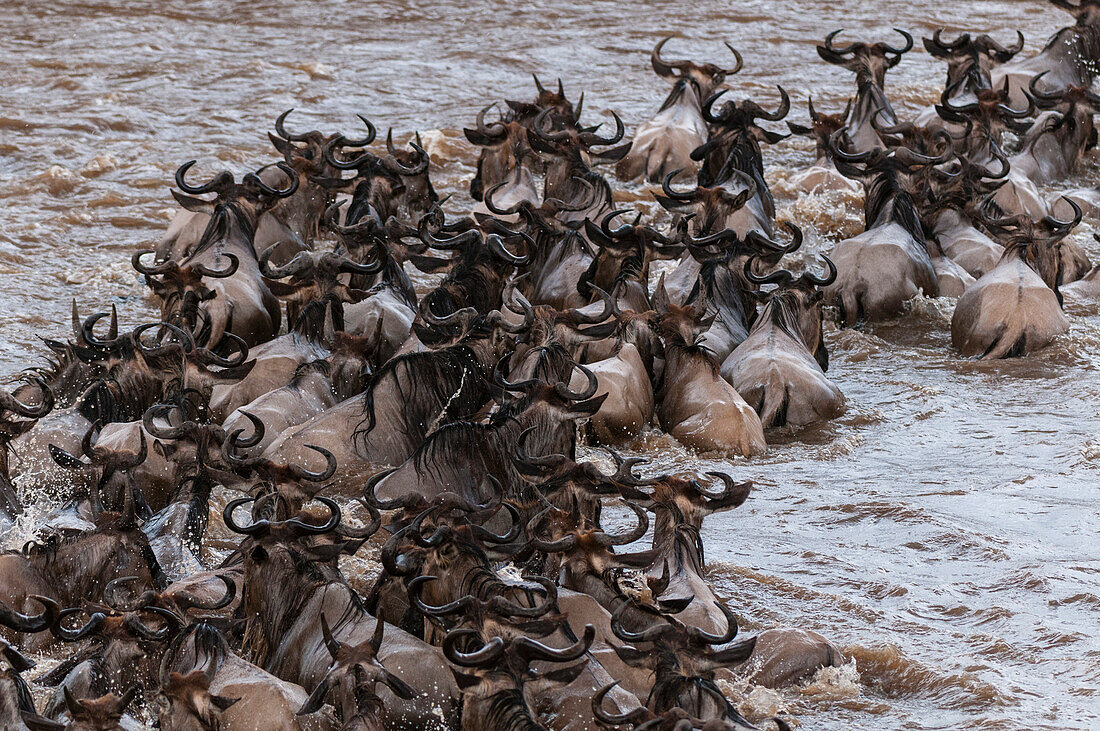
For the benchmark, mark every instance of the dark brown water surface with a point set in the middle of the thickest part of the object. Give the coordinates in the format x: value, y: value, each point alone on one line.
x: 944, y: 531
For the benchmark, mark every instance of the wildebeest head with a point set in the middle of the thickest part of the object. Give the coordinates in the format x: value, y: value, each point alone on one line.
x: 476, y: 273
x: 112, y: 480
x: 282, y: 569
x: 572, y: 141
x: 313, y: 277
x: 181, y: 288
x: 1087, y: 12
x: 1036, y: 243
x: 304, y: 153
x: 869, y: 61
x: 16, y: 418
x: 86, y: 714
x: 822, y: 126
x: 355, y: 674
x: 561, y: 110
x: 1069, y: 119
x: 234, y: 203
x: 712, y: 205
x: 395, y: 185
x: 705, y: 76
x: 563, y: 482
x: 629, y: 247
x: 891, y: 178
x: 494, y: 673
x: 969, y: 59
x: 736, y: 136
x: 989, y: 112
x: 125, y: 646
x: 187, y: 669
x: 683, y: 660
x: 287, y: 479
x: 504, y: 147
x: 678, y: 499
x: 795, y: 305
x: 178, y: 601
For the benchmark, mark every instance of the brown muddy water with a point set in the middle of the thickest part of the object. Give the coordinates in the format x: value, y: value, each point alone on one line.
x: 944, y: 531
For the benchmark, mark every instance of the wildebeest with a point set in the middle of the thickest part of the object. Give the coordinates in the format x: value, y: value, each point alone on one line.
x: 665, y: 143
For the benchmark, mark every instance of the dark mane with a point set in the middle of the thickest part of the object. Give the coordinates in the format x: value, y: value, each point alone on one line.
x: 884, y: 189
x: 781, y: 310
x: 721, y: 289
x: 1081, y: 42
x: 552, y: 364
x: 397, y: 279
x: 681, y: 87
x: 506, y: 710
x: 433, y: 386
x: 262, y: 634
x: 465, y: 449
x: 218, y: 227
x: 322, y: 367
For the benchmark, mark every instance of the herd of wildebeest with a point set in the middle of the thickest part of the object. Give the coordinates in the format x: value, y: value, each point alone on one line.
x: 442, y: 428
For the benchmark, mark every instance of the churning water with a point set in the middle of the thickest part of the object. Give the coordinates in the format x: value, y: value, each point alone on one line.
x: 944, y: 531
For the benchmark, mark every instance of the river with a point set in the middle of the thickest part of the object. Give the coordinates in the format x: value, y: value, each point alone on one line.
x: 944, y: 531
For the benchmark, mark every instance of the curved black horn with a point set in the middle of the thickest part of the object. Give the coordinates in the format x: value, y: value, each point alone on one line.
x: 371, y: 134
x: 186, y: 600
x: 666, y: 186
x: 330, y: 466
x: 899, y: 51
x: 31, y: 622
x: 93, y: 625
x: 281, y: 129
x: 421, y: 167
x: 278, y: 193
x: 181, y: 172
x: 154, y: 269
x: 564, y: 391
x: 839, y: 51
x: 205, y: 271
x: 484, y: 657
x: 829, y: 277
x: 635, y: 533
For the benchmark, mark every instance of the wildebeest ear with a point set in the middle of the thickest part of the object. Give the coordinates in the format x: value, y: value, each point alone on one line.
x: 821, y: 355
x: 166, y: 451
x: 771, y: 137
x: 280, y: 289
x: 523, y: 107
x: 316, y: 698
x: 40, y: 723
x: 429, y: 264
x: 465, y: 681
x: 64, y: 459
x: 591, y: 406
x: 18, y: 662
x: 565, y: 675
x: 672, y: 205
x: 613, y: 155
x: 327, y: 552
x: 285, y: 147
x: 660, y: 297
x: 399, y: 687
x: 195, y: 205
x: 798, y: 129
x: 258, y: 554
x: 631, y: 655
x: 477, y: 138
x: 675, y: 606
x: 538, y: 627
x: 222, y: 702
